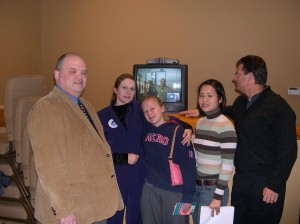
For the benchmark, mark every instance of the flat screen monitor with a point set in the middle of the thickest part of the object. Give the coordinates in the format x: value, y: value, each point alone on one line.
x: 166, y: 81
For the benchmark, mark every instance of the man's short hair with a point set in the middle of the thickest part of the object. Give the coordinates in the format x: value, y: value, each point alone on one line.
x: 256, y: 65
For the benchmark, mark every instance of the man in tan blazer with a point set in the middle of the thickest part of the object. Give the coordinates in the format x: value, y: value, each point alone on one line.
x: 76, y: 177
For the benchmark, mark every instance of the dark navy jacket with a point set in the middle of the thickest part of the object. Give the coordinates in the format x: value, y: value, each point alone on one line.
x: 157, y: 145
x: 125, y: 140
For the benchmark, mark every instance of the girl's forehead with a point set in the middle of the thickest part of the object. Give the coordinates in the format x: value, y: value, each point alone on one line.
x: 150, y: 101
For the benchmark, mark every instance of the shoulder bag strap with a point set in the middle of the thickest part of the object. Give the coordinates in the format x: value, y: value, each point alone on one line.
x: 172, y: 146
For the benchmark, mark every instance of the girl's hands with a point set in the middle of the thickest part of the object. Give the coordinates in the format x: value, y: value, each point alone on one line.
x: 187, y: 137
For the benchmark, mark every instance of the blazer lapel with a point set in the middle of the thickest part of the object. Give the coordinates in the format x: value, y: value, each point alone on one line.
x: 79, y: 112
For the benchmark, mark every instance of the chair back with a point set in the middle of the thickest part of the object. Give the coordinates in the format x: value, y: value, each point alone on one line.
x: 17, y: 87
x: 23, y: 108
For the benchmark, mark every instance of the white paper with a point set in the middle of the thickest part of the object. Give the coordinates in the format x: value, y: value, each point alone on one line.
x: 224, y: 217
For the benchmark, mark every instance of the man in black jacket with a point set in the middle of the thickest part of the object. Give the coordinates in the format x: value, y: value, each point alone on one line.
x: 266, y: 144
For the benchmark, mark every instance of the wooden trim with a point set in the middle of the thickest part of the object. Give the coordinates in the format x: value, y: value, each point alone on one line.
x: 2, y: 122
x: 193, y: 121
x: 190, y: 120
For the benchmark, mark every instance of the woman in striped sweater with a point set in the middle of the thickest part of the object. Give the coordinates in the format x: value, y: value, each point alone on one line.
x: 215, y: 144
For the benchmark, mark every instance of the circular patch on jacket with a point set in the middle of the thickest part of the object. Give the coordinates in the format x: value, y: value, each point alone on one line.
x: 112, y: 123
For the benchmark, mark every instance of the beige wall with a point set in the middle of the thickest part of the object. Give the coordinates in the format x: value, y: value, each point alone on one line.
x: 20, y: 39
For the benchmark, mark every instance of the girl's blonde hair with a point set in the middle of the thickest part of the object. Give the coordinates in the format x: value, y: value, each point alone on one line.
x: 160, y: 103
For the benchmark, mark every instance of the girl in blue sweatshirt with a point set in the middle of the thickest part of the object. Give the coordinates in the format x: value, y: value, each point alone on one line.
x: 159, y: 196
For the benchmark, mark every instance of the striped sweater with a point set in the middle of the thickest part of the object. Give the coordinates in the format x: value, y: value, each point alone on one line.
x: 215, y: 144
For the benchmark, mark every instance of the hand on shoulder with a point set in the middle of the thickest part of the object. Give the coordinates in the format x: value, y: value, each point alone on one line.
x: 190, y: 113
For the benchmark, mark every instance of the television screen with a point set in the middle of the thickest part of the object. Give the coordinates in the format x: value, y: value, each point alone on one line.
x: 166, y: 81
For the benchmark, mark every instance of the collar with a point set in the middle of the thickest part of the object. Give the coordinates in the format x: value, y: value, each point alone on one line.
x: 130, y: 105
x: 213, y: 114
x: 120, y: 108
x: 255, y: 97
x: 73, y: 98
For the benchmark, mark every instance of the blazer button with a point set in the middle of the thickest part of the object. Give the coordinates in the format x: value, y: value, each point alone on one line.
x: 107, y: 155
x: 54, y: 212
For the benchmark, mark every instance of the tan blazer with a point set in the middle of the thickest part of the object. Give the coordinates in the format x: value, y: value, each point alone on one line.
x: 73, y: 163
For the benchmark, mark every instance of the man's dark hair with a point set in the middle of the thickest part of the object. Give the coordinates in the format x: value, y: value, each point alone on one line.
x: 60, y: 60
x: 256, y: 65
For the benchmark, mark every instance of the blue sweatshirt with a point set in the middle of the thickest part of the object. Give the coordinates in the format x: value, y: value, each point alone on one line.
x: 157, y: 145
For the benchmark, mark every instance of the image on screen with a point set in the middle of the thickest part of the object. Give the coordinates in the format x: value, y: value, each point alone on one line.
x: 164, y: 83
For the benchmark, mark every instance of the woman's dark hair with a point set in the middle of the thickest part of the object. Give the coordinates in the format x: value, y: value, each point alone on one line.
x: 118, y: 82
x: 218, y: 88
